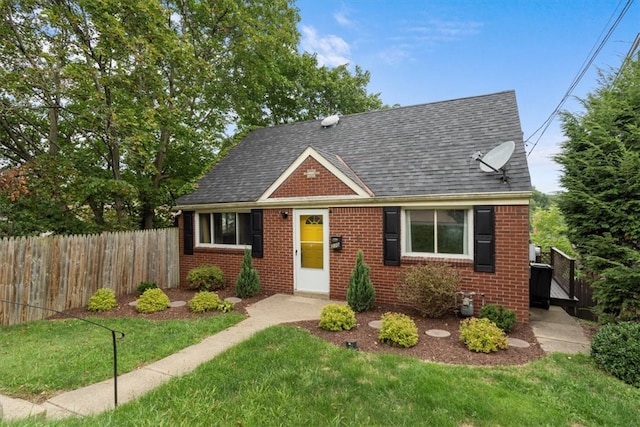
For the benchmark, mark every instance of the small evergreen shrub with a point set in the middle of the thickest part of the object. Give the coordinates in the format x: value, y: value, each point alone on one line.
x: 103, y: 300
x: 225, y: 306
x: 204, y: 301
x: 206, y: 277
x: 398, y: 330
x: 498, y: 314
x: 248, y: 281
x: 430, y: 288
x: 336, y: 317
x: 143, y: 286
x: 482, y: 335
x: 616, y: 349
x: 360, y: 293
x: 152, y: 301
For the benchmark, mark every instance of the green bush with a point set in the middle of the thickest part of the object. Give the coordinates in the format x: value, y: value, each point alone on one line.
x: 248, y: 281
x: 360, y: 293
x: 498, y: 314
x: 206, y: 277
x: 153, y: 300
x: 616, y: 349
x: 143, y: 286
x: 204, y: 301
x: 103, y: 300
x: 398, y: 330
x: 430, y: 288
x: 336, y: 317
x: 482, y: 335
x: 225, y: 306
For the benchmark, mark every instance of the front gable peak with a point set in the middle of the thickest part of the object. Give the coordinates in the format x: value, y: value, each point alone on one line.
x: 317, y: 174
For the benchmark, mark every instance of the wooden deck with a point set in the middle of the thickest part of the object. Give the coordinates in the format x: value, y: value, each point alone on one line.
x: 560, y: 297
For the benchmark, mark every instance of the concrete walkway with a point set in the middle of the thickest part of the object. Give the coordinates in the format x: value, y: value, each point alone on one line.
x: 555, y: 330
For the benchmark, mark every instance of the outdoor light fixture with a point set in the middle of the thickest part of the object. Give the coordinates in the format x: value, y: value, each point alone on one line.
x: 284, y: 214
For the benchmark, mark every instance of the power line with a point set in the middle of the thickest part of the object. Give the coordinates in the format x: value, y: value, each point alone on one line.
x: 585, y: 67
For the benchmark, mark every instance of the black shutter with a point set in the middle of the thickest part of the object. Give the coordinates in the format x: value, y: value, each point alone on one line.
x: 484, y: 250
x: 187, y: 232
x: 391, y: 235
x: 256, y: 233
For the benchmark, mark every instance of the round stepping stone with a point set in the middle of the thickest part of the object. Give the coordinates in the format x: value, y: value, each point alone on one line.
x: 376, y: 324
x: 177, y: 303
x: 438, y: 333
x: 515, y: 342
x: 233, y: 300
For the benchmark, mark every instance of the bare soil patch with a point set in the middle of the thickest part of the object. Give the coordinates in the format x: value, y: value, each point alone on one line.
x: 446, y: 350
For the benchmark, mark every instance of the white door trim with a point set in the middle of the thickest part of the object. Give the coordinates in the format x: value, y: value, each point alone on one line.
x: 312, y: 280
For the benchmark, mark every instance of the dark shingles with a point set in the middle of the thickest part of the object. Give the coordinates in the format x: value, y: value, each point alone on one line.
x: 419, y: 150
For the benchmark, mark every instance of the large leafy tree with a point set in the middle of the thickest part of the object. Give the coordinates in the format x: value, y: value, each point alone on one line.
x: 114, y: 108
x: 601, y: 173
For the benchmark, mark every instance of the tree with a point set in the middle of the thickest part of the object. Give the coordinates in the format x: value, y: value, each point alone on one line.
x: 360, y: 293
x: 601, y: 173
x: 121, y: 106
x: 550, y: 229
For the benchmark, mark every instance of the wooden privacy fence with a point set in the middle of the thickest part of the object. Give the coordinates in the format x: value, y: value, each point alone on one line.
x: 62, y: 272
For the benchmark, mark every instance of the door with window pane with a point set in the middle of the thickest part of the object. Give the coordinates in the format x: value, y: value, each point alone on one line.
x: 311, y: 250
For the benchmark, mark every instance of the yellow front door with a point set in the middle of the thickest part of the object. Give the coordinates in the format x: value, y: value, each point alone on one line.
x: 311, y: 241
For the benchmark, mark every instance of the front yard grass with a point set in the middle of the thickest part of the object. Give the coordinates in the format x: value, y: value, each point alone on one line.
x: 38, y: 359
x: 285, y: 376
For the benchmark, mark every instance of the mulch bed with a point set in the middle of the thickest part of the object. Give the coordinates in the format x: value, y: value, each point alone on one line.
x: 445, y: 350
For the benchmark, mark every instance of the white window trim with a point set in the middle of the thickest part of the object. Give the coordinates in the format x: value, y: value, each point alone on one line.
x: 217, y: 245
x: 404, y: 237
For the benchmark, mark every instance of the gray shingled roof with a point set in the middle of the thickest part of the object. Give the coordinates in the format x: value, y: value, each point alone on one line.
x: 419, y: 150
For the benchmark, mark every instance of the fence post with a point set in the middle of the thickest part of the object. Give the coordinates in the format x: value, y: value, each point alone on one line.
x: 572, y: 267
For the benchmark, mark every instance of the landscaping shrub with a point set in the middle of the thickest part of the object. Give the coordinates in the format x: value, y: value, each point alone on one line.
x: 430, y: 288
x: 482, y: 335
x: 498, y: 314
x: 336, y: 317
x: 103, y: 300
x: 616, y: 349
x: 248, y: 281
x: 153, y: 300
x: 206, y: 277
x: 225, y: 306
x: 360, y: 293
x: 398, y: 330
x: 204, y: 301
x: 143, y: 286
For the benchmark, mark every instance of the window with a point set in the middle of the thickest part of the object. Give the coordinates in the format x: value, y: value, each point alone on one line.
x: 224, y: 228
x: 437, y: 231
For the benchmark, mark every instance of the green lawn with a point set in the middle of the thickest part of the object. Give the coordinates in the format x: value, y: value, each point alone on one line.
x: 284, y: 376
x: 37, y: 359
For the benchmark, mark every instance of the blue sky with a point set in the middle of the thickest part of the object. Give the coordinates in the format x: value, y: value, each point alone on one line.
x: 431, y: 50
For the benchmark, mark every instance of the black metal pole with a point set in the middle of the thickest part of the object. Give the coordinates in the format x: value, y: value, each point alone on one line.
x: 115, y: 369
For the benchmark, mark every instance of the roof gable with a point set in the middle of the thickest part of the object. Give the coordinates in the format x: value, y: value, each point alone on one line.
x: 314, y: 175
x: 424, y: 151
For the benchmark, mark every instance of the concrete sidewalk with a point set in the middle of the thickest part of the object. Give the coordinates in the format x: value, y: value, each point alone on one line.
x: 555, y: 330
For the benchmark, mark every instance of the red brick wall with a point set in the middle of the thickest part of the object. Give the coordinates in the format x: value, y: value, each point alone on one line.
x: 361, y: 228
x: 323, y: 184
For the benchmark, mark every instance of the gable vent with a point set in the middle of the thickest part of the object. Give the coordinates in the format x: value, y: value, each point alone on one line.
x: 330, y: 121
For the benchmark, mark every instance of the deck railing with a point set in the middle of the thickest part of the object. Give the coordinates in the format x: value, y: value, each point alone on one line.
x: 564, y: 271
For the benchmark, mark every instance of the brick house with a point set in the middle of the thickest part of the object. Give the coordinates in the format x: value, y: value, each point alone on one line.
x: 402, y: 184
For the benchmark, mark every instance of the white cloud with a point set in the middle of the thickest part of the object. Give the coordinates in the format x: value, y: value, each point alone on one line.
x: 331, y: 50
x: 342, y: 19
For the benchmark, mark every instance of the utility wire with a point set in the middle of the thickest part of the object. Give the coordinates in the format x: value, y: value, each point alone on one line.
x: 585, y: 67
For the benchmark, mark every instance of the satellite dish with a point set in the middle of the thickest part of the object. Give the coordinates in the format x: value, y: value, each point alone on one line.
x: 496, y: 158
x: 330, y: 121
